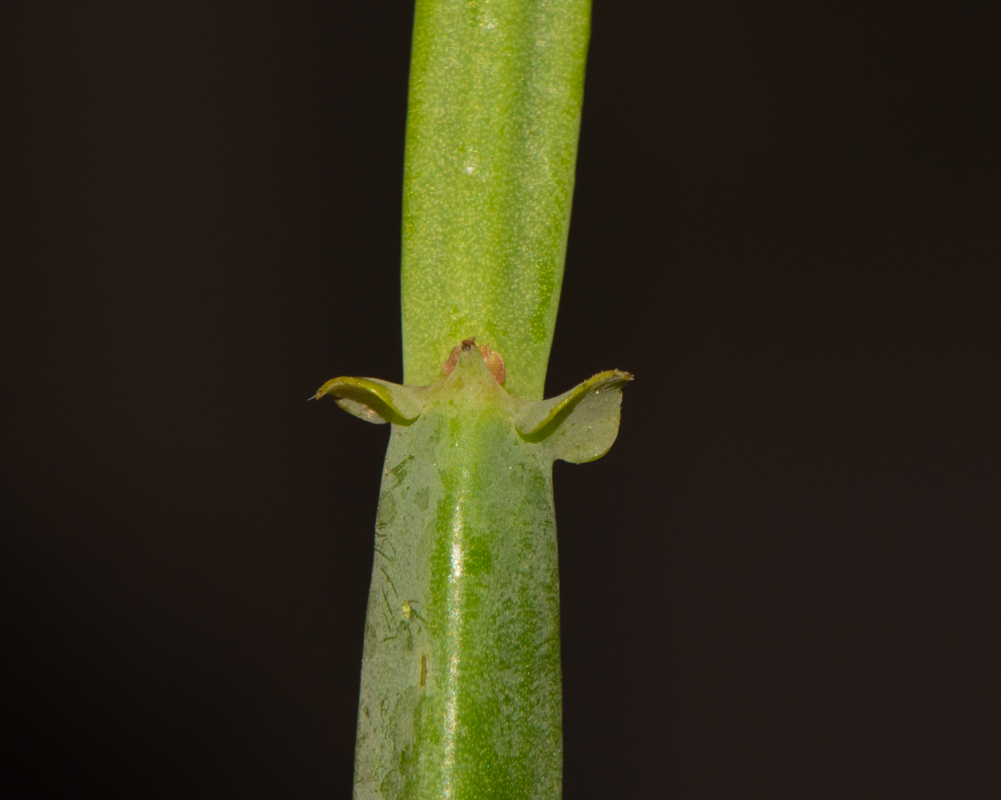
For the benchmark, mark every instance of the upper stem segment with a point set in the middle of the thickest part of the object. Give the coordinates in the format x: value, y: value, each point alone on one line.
x: 492, y: 126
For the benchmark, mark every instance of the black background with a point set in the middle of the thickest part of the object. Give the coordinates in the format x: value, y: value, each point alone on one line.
x: 781, y: 581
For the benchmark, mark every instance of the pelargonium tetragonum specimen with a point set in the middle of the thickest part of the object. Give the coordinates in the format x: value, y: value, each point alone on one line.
x: 461, y: 684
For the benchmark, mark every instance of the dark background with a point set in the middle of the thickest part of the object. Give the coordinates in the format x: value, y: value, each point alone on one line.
x: 781, y: 581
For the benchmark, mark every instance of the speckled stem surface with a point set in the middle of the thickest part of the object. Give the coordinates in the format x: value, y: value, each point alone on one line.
x: 494, y: 114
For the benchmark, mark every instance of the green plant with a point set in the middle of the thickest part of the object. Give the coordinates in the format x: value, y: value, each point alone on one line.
x: 461, y: 683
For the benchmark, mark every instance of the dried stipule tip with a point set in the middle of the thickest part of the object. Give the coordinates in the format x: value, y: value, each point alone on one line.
x: 493, y: 359
x: 494, y: 362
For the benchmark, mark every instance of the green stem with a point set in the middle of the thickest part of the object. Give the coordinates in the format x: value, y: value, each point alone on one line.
x: 495, y: 101
x: 461, y: 684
